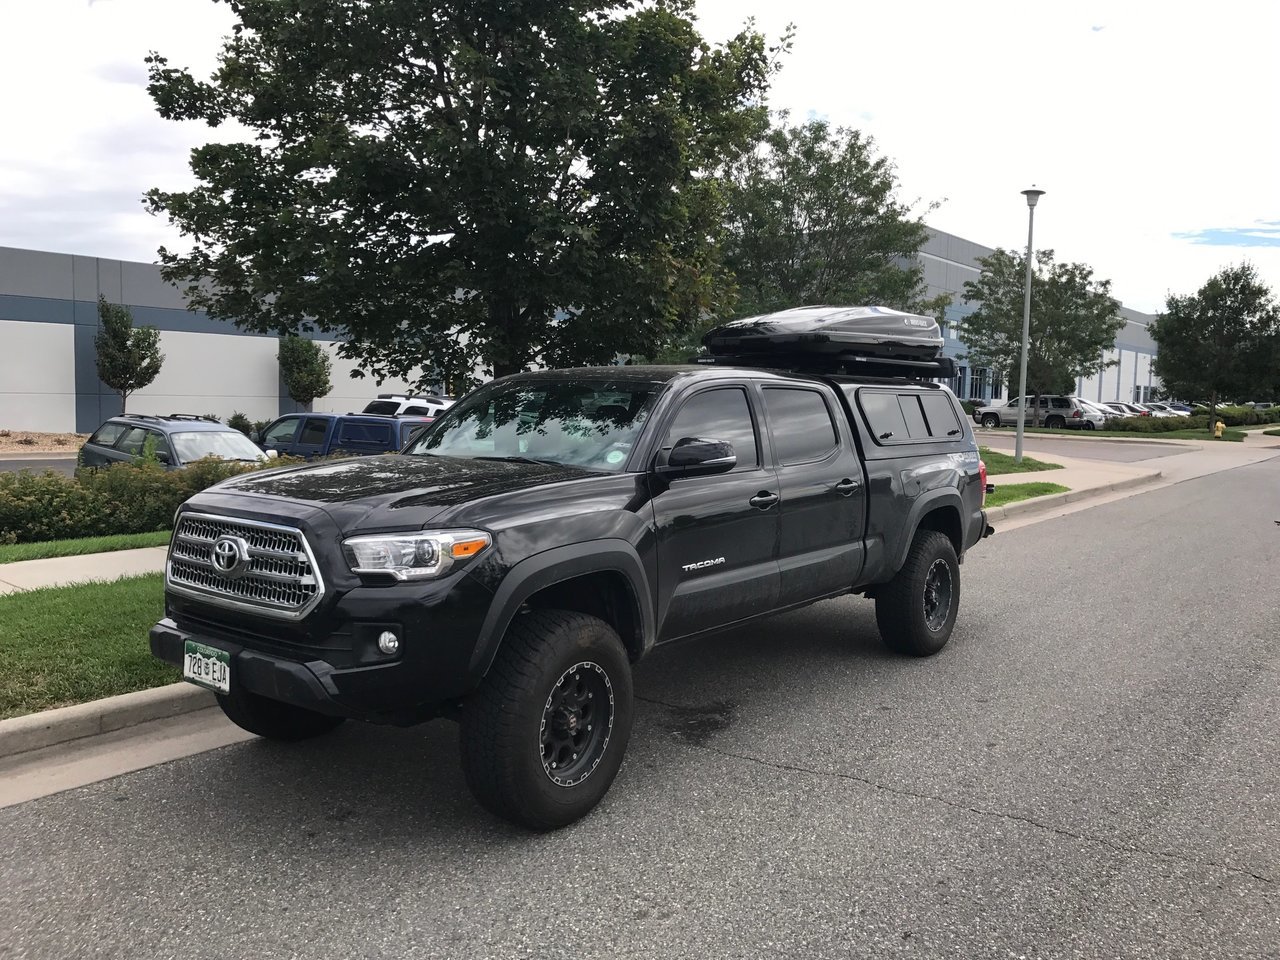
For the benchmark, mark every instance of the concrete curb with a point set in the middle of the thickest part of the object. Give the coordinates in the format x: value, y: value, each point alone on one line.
x: 1036, y: 504
x: 50, y: 727
x: 60, y: 454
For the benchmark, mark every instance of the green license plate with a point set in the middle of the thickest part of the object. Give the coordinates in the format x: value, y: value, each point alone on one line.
x: 207, y: 666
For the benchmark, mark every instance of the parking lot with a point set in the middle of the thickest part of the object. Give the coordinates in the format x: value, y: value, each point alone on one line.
x: 1088, y: 769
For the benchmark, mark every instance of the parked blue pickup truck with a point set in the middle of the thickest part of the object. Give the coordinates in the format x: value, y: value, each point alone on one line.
x: 322, y: 434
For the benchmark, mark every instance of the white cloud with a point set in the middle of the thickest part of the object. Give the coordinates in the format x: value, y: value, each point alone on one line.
x: 1156, y: 127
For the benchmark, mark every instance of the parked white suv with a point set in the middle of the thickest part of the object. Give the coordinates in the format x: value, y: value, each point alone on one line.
x: 1056, y: 413
x: 400, y: 404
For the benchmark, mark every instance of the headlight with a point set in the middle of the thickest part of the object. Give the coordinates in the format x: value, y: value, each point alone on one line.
x: 414, y: 556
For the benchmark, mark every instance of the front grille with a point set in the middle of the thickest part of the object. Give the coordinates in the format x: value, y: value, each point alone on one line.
x: 280, y: 578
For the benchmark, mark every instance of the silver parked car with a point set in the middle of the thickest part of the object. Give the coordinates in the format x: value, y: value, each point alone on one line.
x: 1056, y: 413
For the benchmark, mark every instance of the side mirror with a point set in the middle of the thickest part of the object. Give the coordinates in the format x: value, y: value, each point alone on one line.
x: 695, y: 457
x: 273, y: 454
x: 162, y: 457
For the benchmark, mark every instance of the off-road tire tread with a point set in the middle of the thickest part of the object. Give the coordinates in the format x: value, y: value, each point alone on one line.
x: 490, y: 730
x: 899, y: 614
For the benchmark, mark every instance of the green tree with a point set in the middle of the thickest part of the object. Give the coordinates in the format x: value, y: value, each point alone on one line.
x: 446, y: 183
x: 1074, y: 321
x: 129, y: 357
x: 813, y: 218
x: 305, y: 368
x: 1223, y: 341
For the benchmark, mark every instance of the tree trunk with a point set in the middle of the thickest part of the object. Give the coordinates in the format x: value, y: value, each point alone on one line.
x: 124, y: 399
x: 1213, y: 405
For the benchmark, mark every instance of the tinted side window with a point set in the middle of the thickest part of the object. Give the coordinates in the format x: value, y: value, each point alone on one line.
x: 162, y: 442
x: 801, y: 424
x: 108, y: 434
x: 418, y: 411
x: 1061, y: 403
x: 941, y: 414
x: 132, y: 441
x: 313, y: 431
x: 356, y: 432
x: 719, y: 415
x: 913, y: 416
x: 281, y: 432
x: 883, y: 415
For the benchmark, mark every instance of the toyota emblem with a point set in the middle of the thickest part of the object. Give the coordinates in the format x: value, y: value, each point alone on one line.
x: 230, y: 556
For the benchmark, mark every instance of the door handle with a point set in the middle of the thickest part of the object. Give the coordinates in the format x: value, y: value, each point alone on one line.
x: 846, y: 487
x: 764, y: 500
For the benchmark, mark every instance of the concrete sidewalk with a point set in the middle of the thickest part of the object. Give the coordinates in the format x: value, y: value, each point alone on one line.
x: 63, y: 571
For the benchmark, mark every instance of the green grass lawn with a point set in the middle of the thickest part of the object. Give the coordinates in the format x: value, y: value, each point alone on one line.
x: 1272, y: 433
x: 65, y: 645
x: 12, y: 552
x: 998, y: 463
x: 1014, y: 492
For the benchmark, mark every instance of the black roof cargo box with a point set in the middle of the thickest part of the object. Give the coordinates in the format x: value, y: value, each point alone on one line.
x: 871, y: 340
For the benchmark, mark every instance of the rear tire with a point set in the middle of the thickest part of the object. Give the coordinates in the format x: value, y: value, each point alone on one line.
x: 990, y: 421
x: 544, y: 736
x: 916, y: 610
x: 1055, y: 423
x: 1090, y: 425
x: 273, y: 719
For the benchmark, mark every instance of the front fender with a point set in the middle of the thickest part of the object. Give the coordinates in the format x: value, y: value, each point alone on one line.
x: 555, y: 566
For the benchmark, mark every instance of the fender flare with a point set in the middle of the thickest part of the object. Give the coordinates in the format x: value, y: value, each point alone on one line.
x: 554, y: 566
x: 947, y: 497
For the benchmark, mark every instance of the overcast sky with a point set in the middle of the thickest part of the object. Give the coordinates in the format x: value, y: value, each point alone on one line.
x: 1154, y: 126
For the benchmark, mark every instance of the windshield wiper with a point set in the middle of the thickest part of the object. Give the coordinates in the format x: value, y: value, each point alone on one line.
x: 519, y: 459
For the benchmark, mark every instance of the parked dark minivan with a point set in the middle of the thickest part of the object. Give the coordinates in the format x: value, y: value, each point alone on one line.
x: 310, y: 435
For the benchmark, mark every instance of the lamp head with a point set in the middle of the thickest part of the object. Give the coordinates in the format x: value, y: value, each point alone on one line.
x: 1032, y: 196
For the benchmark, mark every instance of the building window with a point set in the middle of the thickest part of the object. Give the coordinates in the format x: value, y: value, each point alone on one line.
x: 978, y: 384
x: 997, y: 388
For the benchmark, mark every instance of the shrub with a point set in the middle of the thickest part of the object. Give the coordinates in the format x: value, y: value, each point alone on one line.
x: 123, y: 498
x: 1158, y: 424
x: 238, y: 421
x: 970, y: 406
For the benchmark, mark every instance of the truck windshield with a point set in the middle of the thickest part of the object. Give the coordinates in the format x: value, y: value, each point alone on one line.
x: 584, y: 423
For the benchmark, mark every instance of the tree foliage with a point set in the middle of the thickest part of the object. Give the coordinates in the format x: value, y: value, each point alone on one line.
x: 1223, y: 341
x: 813, y: 218
x: 1074, y: 320
x: 129, y: 357
x: 305, y: 368
x: 446, y: 183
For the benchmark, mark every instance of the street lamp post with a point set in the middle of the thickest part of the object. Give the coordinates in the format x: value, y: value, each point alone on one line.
x: 1032, y: 196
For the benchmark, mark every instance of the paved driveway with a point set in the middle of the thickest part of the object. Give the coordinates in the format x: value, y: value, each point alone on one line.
x: 1088, y: 770
x: 63, y: 465
x: 1119, y: 451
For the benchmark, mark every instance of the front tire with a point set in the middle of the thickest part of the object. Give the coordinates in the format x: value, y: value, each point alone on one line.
x: 544, y: 736
x: 916, y: 611
x: 273, y: 719
x: 990, y: 421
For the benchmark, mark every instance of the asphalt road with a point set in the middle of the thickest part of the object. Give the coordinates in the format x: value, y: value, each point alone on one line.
x: 1119, y: 451
x: 1088, y: 770
x: 64, y: 465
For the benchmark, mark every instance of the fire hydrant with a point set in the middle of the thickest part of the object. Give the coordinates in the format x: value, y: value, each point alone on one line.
x: 1217, y: 430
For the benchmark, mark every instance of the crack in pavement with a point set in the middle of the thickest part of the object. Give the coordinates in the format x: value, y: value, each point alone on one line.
x: 979, y: 811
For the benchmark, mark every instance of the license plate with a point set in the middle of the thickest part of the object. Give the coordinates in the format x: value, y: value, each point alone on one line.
x: 207, y: 666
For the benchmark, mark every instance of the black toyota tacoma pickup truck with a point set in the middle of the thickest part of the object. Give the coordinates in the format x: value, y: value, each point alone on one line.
x: 547, y: 532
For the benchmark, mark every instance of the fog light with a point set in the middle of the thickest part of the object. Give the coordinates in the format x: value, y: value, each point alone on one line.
x: 388, y: 642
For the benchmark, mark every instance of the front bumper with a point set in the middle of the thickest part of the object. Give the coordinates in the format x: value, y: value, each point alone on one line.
x: 363, y: 693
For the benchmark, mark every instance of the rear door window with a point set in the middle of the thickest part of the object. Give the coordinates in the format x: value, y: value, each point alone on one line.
x: 801, y: 424
x: 108, y: 434
x: 132, y: 440
x: 313, y: 432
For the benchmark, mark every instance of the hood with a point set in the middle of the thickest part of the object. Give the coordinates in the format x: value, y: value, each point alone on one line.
x: 364, y: 485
